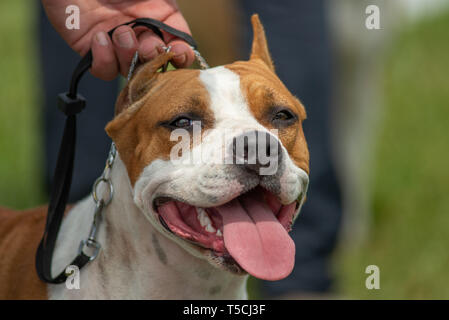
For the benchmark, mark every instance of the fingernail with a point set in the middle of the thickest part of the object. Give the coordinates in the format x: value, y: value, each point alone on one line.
x: 102, y: 39
x: 125, y: 40
x: 180, y: 59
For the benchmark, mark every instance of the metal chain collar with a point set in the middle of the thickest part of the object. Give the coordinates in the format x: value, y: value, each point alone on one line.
x: 199, y: 58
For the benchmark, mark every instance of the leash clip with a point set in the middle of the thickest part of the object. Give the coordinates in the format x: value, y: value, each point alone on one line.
x: 91, y: 244
x: 91, y: 247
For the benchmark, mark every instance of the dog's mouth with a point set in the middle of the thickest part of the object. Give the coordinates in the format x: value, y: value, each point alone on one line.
x: 251, y: 229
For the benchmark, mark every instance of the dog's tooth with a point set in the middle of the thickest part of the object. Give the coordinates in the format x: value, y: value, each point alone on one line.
x: 219, y: 234
x: 204, y: 219
x: 209, y: 228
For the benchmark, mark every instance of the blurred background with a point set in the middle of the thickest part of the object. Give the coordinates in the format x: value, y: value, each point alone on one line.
x: 390, y: 121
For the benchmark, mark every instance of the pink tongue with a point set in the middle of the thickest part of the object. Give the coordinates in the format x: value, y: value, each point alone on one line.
x: 256, y: 240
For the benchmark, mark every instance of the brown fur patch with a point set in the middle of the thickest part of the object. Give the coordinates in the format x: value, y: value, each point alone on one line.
x: 263, y: 90
x: 20, y: 234
x: 139, y: 131
x: 259, y: 48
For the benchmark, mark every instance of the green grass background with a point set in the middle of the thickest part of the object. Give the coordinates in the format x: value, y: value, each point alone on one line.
x: 409, y: 238
x: 20, y: 125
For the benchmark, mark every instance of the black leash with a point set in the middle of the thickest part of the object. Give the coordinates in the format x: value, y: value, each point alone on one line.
x: 71, y: 103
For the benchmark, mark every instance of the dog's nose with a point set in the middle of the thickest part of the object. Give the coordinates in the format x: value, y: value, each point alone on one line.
x: 256, y: 150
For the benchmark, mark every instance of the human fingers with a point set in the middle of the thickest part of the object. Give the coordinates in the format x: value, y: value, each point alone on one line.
x: 149, y: 45
x: 104, y: 63
x: 125, y: 44
x: 184, y: 55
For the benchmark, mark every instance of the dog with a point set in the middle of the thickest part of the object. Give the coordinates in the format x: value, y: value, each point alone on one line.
x: 180, y: 229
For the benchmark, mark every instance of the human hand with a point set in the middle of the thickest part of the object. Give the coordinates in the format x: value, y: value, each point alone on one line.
x: 111, y: 57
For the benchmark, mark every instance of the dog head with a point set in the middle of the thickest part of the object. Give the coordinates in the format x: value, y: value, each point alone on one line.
x: 217, y: 159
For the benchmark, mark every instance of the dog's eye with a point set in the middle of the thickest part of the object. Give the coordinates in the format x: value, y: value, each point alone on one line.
x: 283, y: 117
x: 182, y: 122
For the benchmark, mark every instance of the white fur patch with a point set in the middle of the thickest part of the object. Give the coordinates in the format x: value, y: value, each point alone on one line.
x: 227, y: 100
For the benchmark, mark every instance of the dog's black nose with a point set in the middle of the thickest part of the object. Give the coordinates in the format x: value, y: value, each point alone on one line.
x: 257, y: 150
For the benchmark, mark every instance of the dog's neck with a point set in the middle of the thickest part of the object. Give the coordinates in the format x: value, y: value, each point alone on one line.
x: 136, y: 261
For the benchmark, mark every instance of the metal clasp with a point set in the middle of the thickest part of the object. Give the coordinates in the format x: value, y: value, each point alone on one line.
x: 91, y: 247
x: 91, y: 243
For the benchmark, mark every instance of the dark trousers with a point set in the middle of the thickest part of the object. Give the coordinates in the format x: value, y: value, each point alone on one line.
x: 299, y: 44
x: 298, y: 40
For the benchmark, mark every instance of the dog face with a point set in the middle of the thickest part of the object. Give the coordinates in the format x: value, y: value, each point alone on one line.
x: 217, y: 159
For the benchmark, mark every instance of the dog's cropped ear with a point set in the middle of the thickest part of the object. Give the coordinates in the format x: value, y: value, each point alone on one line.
x: 260, y: 47
x: 140, y: 83
x: 129, y: 100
